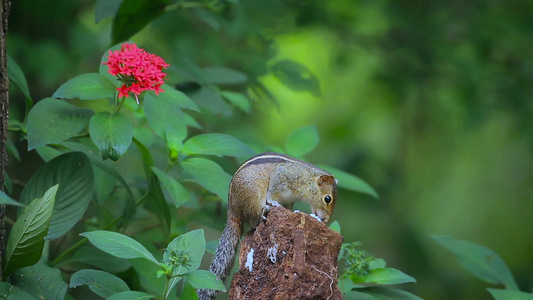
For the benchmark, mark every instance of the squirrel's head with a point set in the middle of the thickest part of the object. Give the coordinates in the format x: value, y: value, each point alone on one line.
x: 327, y: 185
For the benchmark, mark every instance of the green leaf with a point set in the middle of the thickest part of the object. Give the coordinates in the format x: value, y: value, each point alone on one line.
x: 146, y: 273
x: 296, y: 77
x: 89, y: 86
x: 191, y: 122
x: 130, y: 295
x: 377, y: 263
x: 350, y: 182
x: 74, y: 174
x: 5, y: 199
x: 7, y: 291
x: 210, y: 175
x: 129, y: 21
x: 26, y: 242
x: 41, y: 281
x: 95, y: 257
x: 498, y: 294
x: 158, y: 203
x: 237, y: 99
x: 8, y: 187
x: 53, y: 121
x: 216, y: 144
x: 209, y: 98
x: 118, y: 245
x: 383, y: 276
x: 15, y: 74
x: 101, y: 283
x: 381, y: 293
x: 335, y: 226
x: 112, y: 133
x: 192, y: 242
x: 171, y: 94
x: 13, y: 150
x: 482, y: 262
x: 302, y: 141
x: 105, y: 9
x: 166, y: 119
x: 202, y: 279
x: 224, y: 76
x: 179, y: 193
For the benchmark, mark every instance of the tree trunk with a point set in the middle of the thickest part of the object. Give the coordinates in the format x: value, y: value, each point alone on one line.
x: 290, y: 256
x: 4, y: 116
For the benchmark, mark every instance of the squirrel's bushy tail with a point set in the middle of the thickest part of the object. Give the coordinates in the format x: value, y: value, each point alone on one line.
x: 224, y: 255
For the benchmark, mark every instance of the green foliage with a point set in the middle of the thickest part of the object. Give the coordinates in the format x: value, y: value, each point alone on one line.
x: 26, y: 242
x: 111, y: 133
x: 74, y: 174
x: 363, y: 270
x: 5, y: 199
x: 302, y: 141
x: 486, y: 265
x: 118, y: 245
x: 90, y: 86
x: 53, y: 121
x: 40, y: 281
x: 101, y: 283
x: 480, y: 261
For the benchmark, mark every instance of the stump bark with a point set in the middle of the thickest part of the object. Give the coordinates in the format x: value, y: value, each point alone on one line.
x: 290, y: 256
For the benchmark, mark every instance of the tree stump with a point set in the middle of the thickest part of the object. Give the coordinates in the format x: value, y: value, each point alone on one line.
x: 290, y: 256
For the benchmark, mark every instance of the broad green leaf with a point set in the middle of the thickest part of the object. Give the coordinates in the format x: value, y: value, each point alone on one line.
x: 237, y: 99
x: 25, y: 244
x: 383, y: 276
x: 498, y: 294
x: 179, y: 193
x: 130, y: 295
x: 146, y: 272
x: 296, y: 77
x: 15, y: 74
x: 192, y: 242
x: 7, y: 291
x: 202, y: 279
x: 224, y: 76
x: 381, y: 293
x: 210, y: 99
x: 106, y: 166
x: 118, y: 245
x: 482, y: 262
x: 89, y: 86
x: 128, y: 21
x: 100, y: 282
x: 166, y: 119
x: 53, y: 121
x: 335, y: 226
x: 377, y: 263
x: 95, y: 257
x: 210, y: 175
x: 302, y: 141
x: 157, y: 202
x: 191, y: 122
x: 5, y: 199
x: 216, y: 144
x: 350, y: 182
x: 171, y: 94
x: 112, y: 133
x: 105, y: 9
x: 188, y: 292
x: 41, y: 281
x: 74, y: 174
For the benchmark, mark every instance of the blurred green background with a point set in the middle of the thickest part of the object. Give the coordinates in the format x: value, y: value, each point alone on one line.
x: 430, y: 102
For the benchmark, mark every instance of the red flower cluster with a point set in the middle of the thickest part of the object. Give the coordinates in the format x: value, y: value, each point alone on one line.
x: 137, y: 69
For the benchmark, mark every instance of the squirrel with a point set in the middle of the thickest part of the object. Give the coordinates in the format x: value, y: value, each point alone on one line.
x: 265, y: 180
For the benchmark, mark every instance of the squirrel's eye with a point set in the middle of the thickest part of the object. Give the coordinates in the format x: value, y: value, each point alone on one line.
x: 327, y: 199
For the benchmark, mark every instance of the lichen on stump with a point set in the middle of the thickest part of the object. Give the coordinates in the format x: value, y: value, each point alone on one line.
x: 290, y: 256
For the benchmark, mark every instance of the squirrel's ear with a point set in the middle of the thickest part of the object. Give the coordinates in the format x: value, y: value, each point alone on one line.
x: 326, y: 179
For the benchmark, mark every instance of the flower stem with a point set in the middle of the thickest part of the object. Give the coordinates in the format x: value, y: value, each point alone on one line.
x: 120, y: 106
